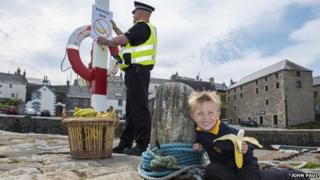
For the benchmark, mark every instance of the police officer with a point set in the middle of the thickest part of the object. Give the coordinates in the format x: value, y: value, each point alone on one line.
x: 137, y: 58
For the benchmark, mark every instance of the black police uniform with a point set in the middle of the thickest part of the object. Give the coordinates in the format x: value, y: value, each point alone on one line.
x: 137, y: 78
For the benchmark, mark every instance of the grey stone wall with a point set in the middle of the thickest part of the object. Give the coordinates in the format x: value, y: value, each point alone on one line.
x: 300, y: 105
x: 307, y: 137
x: 316, y: 89
x: 36, y: 124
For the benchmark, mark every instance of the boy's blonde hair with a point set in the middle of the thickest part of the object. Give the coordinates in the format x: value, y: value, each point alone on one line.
x: 197, y: 97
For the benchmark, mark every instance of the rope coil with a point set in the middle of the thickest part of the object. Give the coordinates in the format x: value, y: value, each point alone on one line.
x: 169, y: 161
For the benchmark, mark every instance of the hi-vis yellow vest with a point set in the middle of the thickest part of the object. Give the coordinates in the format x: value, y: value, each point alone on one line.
x: 143, y: 54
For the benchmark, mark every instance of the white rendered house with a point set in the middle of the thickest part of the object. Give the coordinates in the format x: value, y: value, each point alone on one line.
x: 42, y: 99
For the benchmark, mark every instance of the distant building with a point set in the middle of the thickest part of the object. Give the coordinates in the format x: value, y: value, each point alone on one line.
x: 154, y: 85
x: 80, y: 96
x: 280, y: 95
x: 42, y: 98
x: 316, y: 95
x: 116, y: 94
x: 13, y: 86
x: 77, y: 96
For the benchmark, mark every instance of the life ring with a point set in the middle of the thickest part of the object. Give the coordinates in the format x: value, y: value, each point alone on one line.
x: 73, y: 47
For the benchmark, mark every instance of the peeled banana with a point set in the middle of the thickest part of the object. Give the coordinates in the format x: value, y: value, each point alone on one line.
x: 237, y: 143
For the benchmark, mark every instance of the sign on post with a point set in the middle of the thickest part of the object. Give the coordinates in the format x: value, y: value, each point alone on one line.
x: 100, y: 23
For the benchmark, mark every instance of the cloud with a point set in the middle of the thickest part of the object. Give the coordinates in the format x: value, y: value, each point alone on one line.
x: 194, y: 36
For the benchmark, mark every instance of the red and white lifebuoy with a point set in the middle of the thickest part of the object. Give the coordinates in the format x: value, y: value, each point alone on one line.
x: 73, y: 47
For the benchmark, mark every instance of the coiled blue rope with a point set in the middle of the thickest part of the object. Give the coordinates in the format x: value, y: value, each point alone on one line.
x: 169, y: 159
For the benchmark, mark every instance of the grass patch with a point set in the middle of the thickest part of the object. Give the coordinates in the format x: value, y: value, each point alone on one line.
x: 312, y: 165
x: 309, y: 125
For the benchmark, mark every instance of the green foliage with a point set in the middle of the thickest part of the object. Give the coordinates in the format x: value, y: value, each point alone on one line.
x: 223, y: 99
x: 4, y: 106
x: 10, y: 102
x: 312, y: 165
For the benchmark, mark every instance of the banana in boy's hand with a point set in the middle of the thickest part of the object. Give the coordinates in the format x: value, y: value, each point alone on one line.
x: 237, y: 143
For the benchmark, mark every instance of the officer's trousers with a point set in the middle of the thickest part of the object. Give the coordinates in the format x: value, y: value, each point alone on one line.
x: 138, y: 120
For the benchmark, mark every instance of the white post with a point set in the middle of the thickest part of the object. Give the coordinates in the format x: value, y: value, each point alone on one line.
x: 99, y: 61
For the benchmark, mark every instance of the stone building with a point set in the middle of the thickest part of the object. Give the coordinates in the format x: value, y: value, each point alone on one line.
x: 13, y: 86
x: 280, y: 95
x: 316, y: 95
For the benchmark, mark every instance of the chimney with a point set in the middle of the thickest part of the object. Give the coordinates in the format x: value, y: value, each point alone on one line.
x: 198, y: 77
x: 232, y: 82
x: 24, y: 73
x: 211, y: 80
x: 18, y: 71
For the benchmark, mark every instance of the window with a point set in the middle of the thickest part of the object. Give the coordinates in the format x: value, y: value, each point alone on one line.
x: 119, y: 102
x: 85, y: 102
x: 38, y: 95
x: 261, y: 120
x: 0, y: 85
x: 234, y: 90
x: 228, y: 98
x: 75, y: 101
x: 257, y: 90
x: 12, y: 95
x: 315, y: 94
x: 277, y: 85
x: 10, y: 85
x: 267, y: 102
x: 241, y: 87
x: 275, y: 119
x: 266, y: 88
x: 234, y: 97
x: 234, y: 108
x: 266, y: 78
x: 298, y: 84
x: 241, y: 95
x: 155, y: 87
x: 298, y: 74
x: 256, y: 81
x: 276, y: 75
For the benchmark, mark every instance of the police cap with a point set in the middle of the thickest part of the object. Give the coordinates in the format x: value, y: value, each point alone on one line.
x: 142, y: 6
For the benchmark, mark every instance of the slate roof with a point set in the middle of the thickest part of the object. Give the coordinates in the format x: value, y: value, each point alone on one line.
x: 158, y: 80
x: 316, y: 81
x: 12, y: 78
x: 195, y: 84
x: 78, y: 92
x: 280, y: 66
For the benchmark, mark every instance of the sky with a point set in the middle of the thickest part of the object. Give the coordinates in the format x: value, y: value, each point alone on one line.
x: 211, y: 38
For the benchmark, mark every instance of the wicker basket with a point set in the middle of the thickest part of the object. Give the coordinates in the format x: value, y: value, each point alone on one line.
x: 90, y: 138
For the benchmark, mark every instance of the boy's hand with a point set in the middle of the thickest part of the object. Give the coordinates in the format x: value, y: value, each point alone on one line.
x: 244, y: 148
x: 197, y: 147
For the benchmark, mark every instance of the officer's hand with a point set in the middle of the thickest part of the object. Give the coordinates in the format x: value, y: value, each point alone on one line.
x: 244, y: 148
x: 114, y: 26
x: 102, y: 41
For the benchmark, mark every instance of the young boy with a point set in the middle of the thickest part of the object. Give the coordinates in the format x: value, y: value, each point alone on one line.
x: 205, y: 111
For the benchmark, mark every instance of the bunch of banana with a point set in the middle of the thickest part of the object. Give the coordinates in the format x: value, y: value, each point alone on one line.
x: 84, y: 112
x: 108, y: 114
x: 237, y: 143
